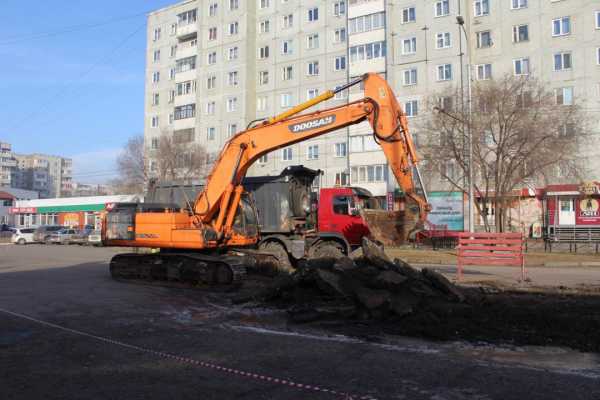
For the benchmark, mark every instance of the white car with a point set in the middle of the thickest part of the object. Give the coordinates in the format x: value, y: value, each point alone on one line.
x: 23, y: 236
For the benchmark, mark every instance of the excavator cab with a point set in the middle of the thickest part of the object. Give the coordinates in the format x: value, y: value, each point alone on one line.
x: 246, y: 219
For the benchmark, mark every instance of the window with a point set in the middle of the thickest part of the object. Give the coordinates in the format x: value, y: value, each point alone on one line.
x: 566, y: 130
x: 520, y: 33
x: 516, y: 4
x: 340, y: 149
x: 173, y: 29
x: 312, y: 93
x: 156, y: 56
x: 409, y: 46
x: 484, y: 39
x: 313, y: 14
x: 341, y: 179
x: 156, y: 34
x: 339, y: 35
x: 261, y: 103
x: 184, y: 88
x: 212, y: 9
x: 562, y: 61
x: 287, y: 154
x: 211, y: 58
x: 411, y: 108
x: 232, y: 78
x: 367, y: 51
x: 340, y: 95
x: 263, y: 77
x: 410, y: 77
x: 444, y: 72
x: 231, y: 104
x: 408, y: 15
x: 211, y: 82
x: 368, y: 173
x: 231, y: 130
x: 564, y: 96
x: 211, y: 133
x: 211, y: 107
x: 212, y: 33
x: 442, y: 40
x: 154, y: 121
x: 597, y: 19
x: 156, y: 77
x: 524, y: 100
x: 263, y: 159
x: 286, y: 100
x: 155, y: 99
x: 482, y: 7
x: 445, y: 103
x: 484, y: 71
x: 313, y: 152
x: 366, y: 23
x: 264, y: 3
x: 263, y: 52
x: 442, y: 8
x: 341, y: 205
x: 286, y: 47
x: 154, y: 143
x: 598, y: 55
x: 288, y: 21
x: 312, y: 41
x: 234, y: 28
x: 172, y: 73
x: 561, y: 26
x: 521, y: 66
x: 264, y: 26
x: 340, y: 63
x: 188, y: 17
x: 234, y: 4
x: 287, y: 73
x: 339, y: 8
x: 233, y: 53
x: 186, y: 111
x: 173, y: 52
x: 312, y: 68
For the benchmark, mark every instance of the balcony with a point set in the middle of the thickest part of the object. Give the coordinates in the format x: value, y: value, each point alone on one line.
x: 187, y: 31
x: 185, y: 49
x: 186, y: 123
x: 185, y: 99
x: 186, y: 76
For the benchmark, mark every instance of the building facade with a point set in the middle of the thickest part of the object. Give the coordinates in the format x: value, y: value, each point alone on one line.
x: 213, y: 66
x: 8, y: 164
x: 51, y: 176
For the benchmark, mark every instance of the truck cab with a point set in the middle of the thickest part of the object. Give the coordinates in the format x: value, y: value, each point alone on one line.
x: 339, y: 211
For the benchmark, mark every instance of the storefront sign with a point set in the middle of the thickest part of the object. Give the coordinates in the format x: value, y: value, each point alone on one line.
x: 23, y: 210
x: 70, y: 219
x: 447, y: 209
x: 589, y: 188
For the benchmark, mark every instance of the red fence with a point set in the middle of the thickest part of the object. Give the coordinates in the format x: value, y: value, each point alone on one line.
x: 490, y: 249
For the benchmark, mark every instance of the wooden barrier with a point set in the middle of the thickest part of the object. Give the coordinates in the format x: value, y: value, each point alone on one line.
x: 490, y: 249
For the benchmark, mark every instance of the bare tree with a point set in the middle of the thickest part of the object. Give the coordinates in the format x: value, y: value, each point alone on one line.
x: 133, y: 167
x: 521, y: 133
x: 178, y: 158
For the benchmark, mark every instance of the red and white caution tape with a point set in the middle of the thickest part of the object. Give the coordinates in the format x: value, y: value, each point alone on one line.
x: 204, y: 364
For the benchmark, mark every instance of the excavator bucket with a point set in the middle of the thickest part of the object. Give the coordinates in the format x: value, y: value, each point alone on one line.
x: 393, y: 228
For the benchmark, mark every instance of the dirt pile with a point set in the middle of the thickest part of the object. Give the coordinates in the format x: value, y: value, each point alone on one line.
x: 370, y: 287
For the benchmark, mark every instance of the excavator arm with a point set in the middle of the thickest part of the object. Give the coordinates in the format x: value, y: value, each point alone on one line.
x: 215, y: 208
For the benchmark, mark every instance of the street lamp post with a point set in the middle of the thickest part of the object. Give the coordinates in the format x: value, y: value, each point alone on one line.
x: 461, y: 22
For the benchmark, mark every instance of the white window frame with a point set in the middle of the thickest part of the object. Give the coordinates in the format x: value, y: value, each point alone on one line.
x: 479, y: 35
x: 234, y: 4
x: 339, y: 63
x: 233, y: 53
x: 263, y: 77
x: 312, y: 152
x: 562, y: 95
x: 287, y: 46
x: 211, y: 82
x: 518, y: 4
x: 287, y: 73
x: 231, y: 104
x: 563, y: 55
x: 516, y: 33
x: 212, y: 33
x: 412, y: 44
x: 481, y: 8
x: 313, y: 14
x: 211, y: 108
x: 231, y: 129
x: 445, y: 38
x: 339, y: 35
x: 287, y: 154
x: 312, y: 93
x: 312, y: 68
x: 264, y: 26
x: 312, y: 41
x: 233, y: 78
x: 410, y: 77
x: 483, y: 72
x: 211, y: 58
x: 406, y: 12
x: 211, y: 133
x: 339, y: 8
x: 263, y: 52
x: 263, y: 159
x: 337, y: 149
x: 561, y: 26
x: 288, y: 21
x: 411, y: 108
x: 597, y: 19
x: 444, y: 8
x: 261, y: 103
x: 442, y: 68
x: 597, y: 55
x: 285, y: 100
x: 522, y: 61
x: 233, y: 28
x: 154, y: 121
x: 262, y: 4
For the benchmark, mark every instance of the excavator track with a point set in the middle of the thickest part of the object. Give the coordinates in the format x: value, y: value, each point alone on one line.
x: 179, y: 269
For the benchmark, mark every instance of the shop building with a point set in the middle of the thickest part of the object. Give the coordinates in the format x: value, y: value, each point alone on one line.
x: 71, y: 211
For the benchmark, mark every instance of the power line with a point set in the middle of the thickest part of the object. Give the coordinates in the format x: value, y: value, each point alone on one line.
x: 65, y: 30
x: 66, y: 88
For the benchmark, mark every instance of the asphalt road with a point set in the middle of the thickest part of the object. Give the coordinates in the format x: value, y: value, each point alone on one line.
x: 70, y: 288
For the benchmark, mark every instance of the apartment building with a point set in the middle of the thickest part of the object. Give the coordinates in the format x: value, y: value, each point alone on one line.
x: 213, y: 66
x: 51, y: 176
x: 8, y: 164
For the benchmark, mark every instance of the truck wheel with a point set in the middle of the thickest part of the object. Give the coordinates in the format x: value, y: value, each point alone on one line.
x: 21, y: 241
x: 329, y: 249
x: 280, y: 253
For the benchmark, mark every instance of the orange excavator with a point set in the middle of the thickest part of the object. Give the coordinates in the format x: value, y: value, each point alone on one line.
x: 212, y: 239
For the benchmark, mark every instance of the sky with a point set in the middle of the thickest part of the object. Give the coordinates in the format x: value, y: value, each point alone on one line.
x: 72, y: 79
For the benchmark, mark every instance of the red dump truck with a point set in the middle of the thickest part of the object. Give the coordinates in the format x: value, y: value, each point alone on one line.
x: 296, y: 220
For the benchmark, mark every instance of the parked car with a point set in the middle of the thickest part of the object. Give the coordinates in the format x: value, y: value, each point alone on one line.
x: 23, y: 236
x: 95, y: 238
x: 43, y: 233
x: 81, y: 236
x: 62, y: 236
